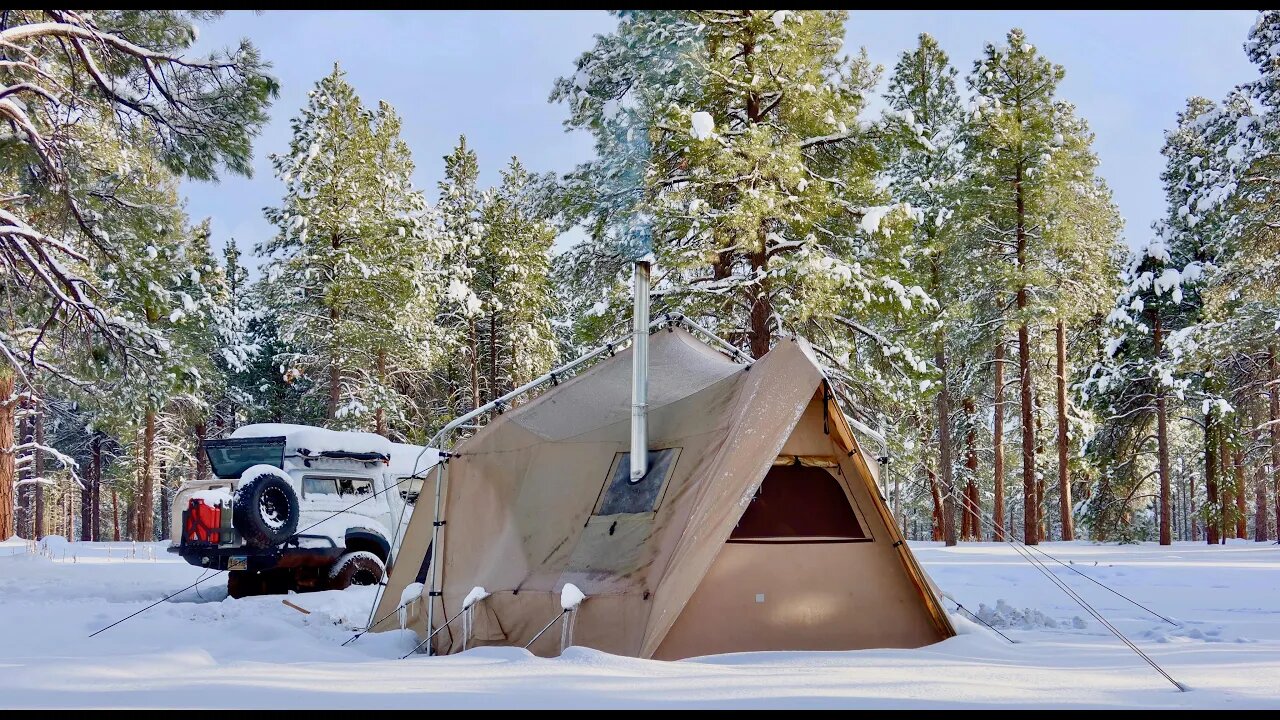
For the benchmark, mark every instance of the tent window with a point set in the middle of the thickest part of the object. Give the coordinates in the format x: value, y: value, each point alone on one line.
x: 620, y: 495
x: 799, y: 504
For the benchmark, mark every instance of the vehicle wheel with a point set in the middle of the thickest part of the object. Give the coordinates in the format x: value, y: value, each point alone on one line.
x: 356, y: 568
x: 243, y: 583
x: 265, y: 512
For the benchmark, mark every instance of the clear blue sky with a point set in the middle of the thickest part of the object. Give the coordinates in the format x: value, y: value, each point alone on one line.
x: 488, y: 74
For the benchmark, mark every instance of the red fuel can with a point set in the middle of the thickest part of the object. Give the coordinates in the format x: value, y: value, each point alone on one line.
x: 204, y: 522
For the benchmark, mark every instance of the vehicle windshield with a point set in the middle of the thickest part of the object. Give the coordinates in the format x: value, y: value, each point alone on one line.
x: 229, y: 458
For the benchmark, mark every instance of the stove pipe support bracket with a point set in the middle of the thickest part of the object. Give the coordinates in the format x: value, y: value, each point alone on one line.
x: 640, y: 370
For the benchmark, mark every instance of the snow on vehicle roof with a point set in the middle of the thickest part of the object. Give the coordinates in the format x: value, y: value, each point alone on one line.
x: 317, y: 440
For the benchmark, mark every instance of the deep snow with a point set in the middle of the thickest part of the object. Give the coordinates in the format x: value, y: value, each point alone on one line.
x: 207, y: 650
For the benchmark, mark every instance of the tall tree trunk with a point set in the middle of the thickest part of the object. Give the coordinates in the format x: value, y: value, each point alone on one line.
x: 761, y: 306
x: 202, y: 460
x: 1260, y: 513
x: 1162, y: 437
x: 897, y: 501
x: 37, y: 465
x: 115, y: 510
x: 475, y: 363
x: 97, y: 486
x: 335, y: 372
x: 1211, y: 478
x: 942, y: 404
x: 1274, y: 401
x: 1064, y: 470
x: 761, y: 303
x: 1186, y: 496
x: 973, y: 510
x: 1226, y: 489
x: 380, y: 418
x: 937, y: 504
x: 494, y: 390
x: 1237, y: 460
x: 1042, y: 512
x: 997, y: 444
x: 144, y: 503
x: 164, y: 500
x: 26, y: 526
x: 8, y: 405
x: 1030, y: 523
x: 86, y: 499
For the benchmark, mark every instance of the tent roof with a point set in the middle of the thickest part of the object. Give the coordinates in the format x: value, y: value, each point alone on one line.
x: 679, y: 366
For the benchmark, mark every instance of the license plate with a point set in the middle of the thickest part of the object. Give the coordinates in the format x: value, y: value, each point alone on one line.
x: 238, y: 562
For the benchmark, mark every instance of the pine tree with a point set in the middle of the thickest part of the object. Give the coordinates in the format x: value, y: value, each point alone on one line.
x: 1239, y: 179
x: 1011, y: 142
x: 237, y: 346
x: 458, y: 382
x: 347, y: 272
x: 74, y: 85
x: 1082, y: 229
x: 730, y: 144
x: 1152, y: 354
x: 394, y: 317
x: 925, y: 165
x: 518, y: 299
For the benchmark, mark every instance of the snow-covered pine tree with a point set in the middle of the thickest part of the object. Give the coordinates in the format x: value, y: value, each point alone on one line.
x: 730, y: 143
x: 1010, y: 143
x: 237, y: 347
x: 346, y: 274
x: 1240, y: 176
x: 393, y: 323
x: 1152, y: 357
x: 457, y: 351
x: 73, y: 83
x: 314, y: 262
x: 1081, y: 229
x: 647, y: 63
x: 924, y: 165
x: 171, y: 291
x: 517, y: 341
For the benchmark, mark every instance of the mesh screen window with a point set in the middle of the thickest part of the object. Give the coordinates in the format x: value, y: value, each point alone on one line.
x: 799, y: 504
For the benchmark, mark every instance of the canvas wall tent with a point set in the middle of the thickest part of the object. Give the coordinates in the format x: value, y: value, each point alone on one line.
x: 758, y: 527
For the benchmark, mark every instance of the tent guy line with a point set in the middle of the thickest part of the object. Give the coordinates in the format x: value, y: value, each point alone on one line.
x: 1038, y: 564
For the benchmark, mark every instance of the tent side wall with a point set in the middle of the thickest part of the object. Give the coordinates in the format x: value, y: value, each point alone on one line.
x: 807, y: 595
x: 857, y: 466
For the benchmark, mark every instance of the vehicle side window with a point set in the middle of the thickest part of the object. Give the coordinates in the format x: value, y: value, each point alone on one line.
x: 340, y: 486
x: 354, y: 486
x: 319, y: 486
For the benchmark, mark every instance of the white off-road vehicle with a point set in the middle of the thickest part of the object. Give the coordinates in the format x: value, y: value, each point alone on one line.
x: 294, y: 507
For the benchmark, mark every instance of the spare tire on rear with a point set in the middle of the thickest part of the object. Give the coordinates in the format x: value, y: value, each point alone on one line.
x: 266, y: 510
x: 356, y: 568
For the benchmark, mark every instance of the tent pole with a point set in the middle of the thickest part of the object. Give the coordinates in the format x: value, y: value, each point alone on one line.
x: 436, y: 558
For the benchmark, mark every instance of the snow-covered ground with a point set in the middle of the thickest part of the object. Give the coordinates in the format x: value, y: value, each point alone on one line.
x: 206, y: 650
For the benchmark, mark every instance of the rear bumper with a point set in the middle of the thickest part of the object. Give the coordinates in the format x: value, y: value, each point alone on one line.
x: 256, y: 559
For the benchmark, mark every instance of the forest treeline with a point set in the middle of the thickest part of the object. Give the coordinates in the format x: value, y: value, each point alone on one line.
x: 1040, y: 371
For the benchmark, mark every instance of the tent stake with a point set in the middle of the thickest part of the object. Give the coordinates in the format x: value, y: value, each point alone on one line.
x: 548, y: 627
